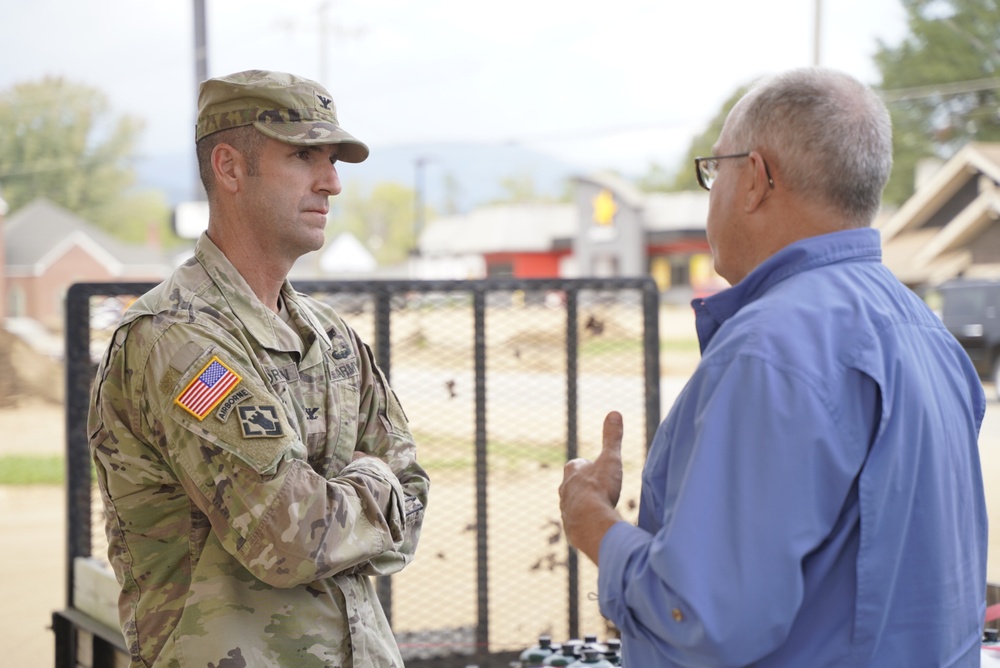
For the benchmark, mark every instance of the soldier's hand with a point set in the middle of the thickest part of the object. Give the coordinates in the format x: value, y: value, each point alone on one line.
x: 361, y: 455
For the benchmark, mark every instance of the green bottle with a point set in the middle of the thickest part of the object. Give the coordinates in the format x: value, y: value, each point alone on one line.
x: 613, y: 653
x: 534, y: 656
x: 566, y: 656
x: 591, y: 659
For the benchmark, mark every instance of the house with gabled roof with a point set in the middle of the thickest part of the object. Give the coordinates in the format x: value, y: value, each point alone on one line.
x: 948, y: 229
x: 47, y: 248
x: 3, y: 291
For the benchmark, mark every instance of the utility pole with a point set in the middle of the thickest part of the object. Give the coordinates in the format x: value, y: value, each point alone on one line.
x: 817, y: 31
x: 200, y: 44
x: 322, y: 42
x: 325, y: 28
x: 418, y: 201
x: 200, y: 74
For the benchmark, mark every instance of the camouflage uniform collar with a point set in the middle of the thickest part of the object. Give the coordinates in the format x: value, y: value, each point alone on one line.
x: 258, y: 321
x: 303, y: 318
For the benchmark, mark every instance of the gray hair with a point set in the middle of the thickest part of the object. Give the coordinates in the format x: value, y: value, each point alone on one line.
x: 826, y: 133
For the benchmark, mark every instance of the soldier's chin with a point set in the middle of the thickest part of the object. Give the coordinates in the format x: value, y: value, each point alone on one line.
x: 302, y: 245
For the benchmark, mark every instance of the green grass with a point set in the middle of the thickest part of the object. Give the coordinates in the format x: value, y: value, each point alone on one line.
x: 679, y: 345
x: 32, y: 470
x: 598, y: 346
x: 435, y: 452
x: 449, y: 454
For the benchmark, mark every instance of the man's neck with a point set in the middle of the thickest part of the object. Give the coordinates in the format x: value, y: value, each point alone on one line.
x: 263, y: 272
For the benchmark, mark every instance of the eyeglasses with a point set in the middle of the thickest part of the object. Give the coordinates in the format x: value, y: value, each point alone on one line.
x: 707, y: 168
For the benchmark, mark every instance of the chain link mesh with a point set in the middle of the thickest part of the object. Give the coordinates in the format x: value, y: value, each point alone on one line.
x: 493, y: 570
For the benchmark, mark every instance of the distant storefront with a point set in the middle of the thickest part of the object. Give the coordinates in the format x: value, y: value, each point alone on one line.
x: 609, y: 229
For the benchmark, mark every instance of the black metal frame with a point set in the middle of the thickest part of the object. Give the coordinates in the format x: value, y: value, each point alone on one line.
x: 80, y: 372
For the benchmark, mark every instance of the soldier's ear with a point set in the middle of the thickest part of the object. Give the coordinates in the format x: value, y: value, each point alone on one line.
x: 228, y: 166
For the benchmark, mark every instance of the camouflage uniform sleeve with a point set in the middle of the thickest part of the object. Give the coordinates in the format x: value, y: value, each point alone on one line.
x: 283, y: 521
x: 386, y: 435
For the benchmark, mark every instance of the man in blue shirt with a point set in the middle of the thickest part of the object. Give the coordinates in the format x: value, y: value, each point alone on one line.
x: 814, y: 497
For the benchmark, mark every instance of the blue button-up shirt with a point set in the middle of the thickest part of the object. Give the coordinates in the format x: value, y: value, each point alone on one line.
x: 814, y: 497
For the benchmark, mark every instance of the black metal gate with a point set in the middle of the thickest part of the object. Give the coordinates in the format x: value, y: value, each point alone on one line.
x: 502, y: 381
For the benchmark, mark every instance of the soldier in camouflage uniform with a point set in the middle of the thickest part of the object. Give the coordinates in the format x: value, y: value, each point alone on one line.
x: 255, y: 466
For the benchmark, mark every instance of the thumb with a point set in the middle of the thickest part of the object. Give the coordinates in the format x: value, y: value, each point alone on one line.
x: 611, y: 447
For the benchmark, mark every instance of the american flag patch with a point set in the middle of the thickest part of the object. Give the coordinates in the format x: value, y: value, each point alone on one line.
x: 213, y: 383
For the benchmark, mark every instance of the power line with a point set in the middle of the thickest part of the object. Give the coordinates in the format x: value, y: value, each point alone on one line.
x: 932, y: 90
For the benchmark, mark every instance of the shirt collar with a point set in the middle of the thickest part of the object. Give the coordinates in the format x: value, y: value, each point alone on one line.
x: 258, y: 321
x: 315, y: 338
x: 863, y: 244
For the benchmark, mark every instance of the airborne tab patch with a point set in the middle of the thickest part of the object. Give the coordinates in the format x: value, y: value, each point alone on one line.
x: 212, y: 384
x: 229, y: 404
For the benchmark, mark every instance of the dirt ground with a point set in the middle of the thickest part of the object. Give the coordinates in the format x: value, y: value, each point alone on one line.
x: 32, y: 579
x: 32, y: 529
x: 32, y: 533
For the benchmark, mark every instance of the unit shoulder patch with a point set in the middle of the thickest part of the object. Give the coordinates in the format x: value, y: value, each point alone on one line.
x: 260, y: 422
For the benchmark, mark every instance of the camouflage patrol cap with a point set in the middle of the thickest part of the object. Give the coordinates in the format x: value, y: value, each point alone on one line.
x: 283, y: 106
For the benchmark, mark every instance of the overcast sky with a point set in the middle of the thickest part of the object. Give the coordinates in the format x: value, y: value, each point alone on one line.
x: 598, y: 84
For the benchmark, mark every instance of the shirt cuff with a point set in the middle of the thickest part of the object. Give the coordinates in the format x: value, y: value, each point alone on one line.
x: 618, y: 547
x: 388, y: 495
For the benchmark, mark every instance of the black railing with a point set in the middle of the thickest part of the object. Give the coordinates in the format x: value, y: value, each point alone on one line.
x: 502, y: 381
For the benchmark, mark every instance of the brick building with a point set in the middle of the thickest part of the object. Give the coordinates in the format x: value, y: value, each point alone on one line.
x: 45, y: 249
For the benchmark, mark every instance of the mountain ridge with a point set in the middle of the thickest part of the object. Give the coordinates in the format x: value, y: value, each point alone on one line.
x: 455, y: 177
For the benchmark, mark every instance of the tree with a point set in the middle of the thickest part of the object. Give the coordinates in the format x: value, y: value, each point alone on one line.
x: 941, y: 84
x: 383, y: 220
x: 521, y: 189
x: 59, y: 140
x: 139, y: 217
x: 656, y: 178
x: 452, y: 193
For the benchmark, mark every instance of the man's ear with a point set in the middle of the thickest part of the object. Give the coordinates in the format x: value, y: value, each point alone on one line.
x: 227, y: 164
x: 761, y: 185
